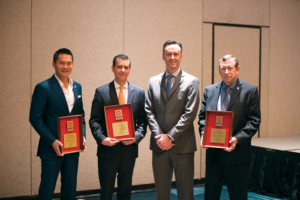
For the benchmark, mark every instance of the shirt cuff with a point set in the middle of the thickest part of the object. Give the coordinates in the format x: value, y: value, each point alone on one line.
x: 170, y: 137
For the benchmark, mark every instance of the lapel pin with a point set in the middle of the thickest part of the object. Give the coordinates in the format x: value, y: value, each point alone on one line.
x: 75, y: 86
x: 238, y: 88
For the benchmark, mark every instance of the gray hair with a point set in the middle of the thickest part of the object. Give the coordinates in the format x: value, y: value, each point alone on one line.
x: 228, y: 56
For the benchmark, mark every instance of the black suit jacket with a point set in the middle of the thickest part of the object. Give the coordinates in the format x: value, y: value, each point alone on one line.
x: 244, y: 102
x: 106, y: 96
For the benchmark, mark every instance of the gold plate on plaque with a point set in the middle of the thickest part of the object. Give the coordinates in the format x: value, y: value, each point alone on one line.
x: 219, y: 121
x: 218, y: 136
x: 118, y: 114
x: 70, y: 140
x: 120, y: 129
x: 69, y: 125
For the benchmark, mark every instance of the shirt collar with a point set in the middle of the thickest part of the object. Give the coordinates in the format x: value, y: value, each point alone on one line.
x: 61, y: 83
x: 175, y: 74
x: 232, y: 86
x: 118, y: 86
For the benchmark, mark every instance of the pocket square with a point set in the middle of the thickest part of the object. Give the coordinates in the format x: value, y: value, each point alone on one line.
x: 79, y: 96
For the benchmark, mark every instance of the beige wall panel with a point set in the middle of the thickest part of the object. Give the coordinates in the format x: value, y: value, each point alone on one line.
x: 207, y: 74
x: 148, y: 24
x: 242, y: 43
x: 284, y: 91
x: 15, y: 172
x: 265, y: 70
x: 250, y: 12
x: 93, y: 31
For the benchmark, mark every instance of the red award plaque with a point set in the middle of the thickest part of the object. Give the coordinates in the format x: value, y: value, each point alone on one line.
x: 218, y: 128
x: 119, y: 122
x: 70, y: 133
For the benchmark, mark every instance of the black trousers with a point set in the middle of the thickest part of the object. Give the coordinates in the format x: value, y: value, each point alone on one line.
x: 236, y: 177
x: 108, y: 169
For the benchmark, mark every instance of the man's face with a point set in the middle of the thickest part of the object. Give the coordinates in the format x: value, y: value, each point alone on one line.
x: 63, y: 66
x: 228, y: 71
x: 172, y: 56
x: 121, y: 71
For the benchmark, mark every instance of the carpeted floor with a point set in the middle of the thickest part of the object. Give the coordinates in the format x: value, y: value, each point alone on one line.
x: 198, y: 192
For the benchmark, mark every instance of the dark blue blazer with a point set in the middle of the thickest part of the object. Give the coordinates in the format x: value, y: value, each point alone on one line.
x: 244, y: 102
x: 48, y: 103
x: 106, y: 96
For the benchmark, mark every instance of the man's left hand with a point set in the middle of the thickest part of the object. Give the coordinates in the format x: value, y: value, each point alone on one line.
x: 163, y: 141
x: 129, y: 142
x: 84, y: 144
x: 232, y: 144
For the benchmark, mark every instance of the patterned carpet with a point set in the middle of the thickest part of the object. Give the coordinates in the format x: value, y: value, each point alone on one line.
x: 198, y: 192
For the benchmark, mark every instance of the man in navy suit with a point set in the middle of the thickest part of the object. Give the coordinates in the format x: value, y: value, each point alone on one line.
x: 56, y: 97
x: 232, y: 163
x: 115, y: 157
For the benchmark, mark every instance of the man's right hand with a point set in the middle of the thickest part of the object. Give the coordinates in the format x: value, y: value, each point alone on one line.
x: 110, y: 141
x: 56, y: 144
x: 202, y: 133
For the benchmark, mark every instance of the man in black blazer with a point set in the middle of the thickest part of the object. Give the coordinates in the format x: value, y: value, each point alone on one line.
x: 114, y: 156
x: 56, y: 97
x: 233, y: 163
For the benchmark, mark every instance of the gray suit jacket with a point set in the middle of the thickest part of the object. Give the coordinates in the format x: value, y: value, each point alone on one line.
x: 173, y: 115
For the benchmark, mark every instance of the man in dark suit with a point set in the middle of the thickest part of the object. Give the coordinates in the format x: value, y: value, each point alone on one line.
x: 114, y: 156
x: 232, y: 163
x: 56, y: 97
x: 171, y: 105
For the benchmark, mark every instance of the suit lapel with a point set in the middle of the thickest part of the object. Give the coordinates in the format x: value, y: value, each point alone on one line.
x: 178, y: 81
x: 235, y: 94
x: 130, y: 95
x: 163, y: 86
x: 216, y: 95
x: 58, y: 90
x: 113, y: 93
x: 75, y: 96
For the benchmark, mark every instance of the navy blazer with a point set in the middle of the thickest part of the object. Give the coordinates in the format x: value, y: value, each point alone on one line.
x: 48, y: 103
x: 106, y: 95
x: 244, y: 102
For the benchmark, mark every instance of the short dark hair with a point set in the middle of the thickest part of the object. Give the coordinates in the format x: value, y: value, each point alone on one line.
x: 228, y: 56
x: 172, y: 42
x: 122, y: 57
x: 61, y: 51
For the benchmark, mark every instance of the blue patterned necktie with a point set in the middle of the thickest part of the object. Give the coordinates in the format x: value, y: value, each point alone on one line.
x: 226, y: 99
x: 168, y: 89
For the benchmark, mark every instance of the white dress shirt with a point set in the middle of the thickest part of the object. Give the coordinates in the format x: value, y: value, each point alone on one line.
x: 68, y: 92
x: 125, y: 90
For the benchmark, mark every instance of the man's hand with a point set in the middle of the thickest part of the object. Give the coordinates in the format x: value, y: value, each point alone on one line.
x: 232, y: 144
x: 202, y: 133
x: 56, y: 144
x: 129, y: 142
x: 164, y: 142
x: 84, y: 144
x: 110, y: 141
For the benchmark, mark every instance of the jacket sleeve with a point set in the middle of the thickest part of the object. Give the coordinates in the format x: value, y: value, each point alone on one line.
x: 37, y: 112
x: 97, y: 115
x: 202, y: 112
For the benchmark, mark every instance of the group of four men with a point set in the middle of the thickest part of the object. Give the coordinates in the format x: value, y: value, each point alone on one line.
x: 169, y: 109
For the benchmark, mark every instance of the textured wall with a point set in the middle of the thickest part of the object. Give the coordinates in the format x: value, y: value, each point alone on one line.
x: 95, y: 31
x: 15, y: 23
x: 284, y: 93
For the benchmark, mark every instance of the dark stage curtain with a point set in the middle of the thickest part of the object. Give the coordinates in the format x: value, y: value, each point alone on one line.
x: 275, y: 173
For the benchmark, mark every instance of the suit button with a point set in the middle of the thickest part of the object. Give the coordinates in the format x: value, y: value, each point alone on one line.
x: 166, y: 113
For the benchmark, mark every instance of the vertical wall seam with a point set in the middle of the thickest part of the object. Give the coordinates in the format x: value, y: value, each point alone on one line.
x: 123, y: 26
x: 30, y: 130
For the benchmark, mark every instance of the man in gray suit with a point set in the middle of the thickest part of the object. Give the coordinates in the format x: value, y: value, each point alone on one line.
x: 171, y: 106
